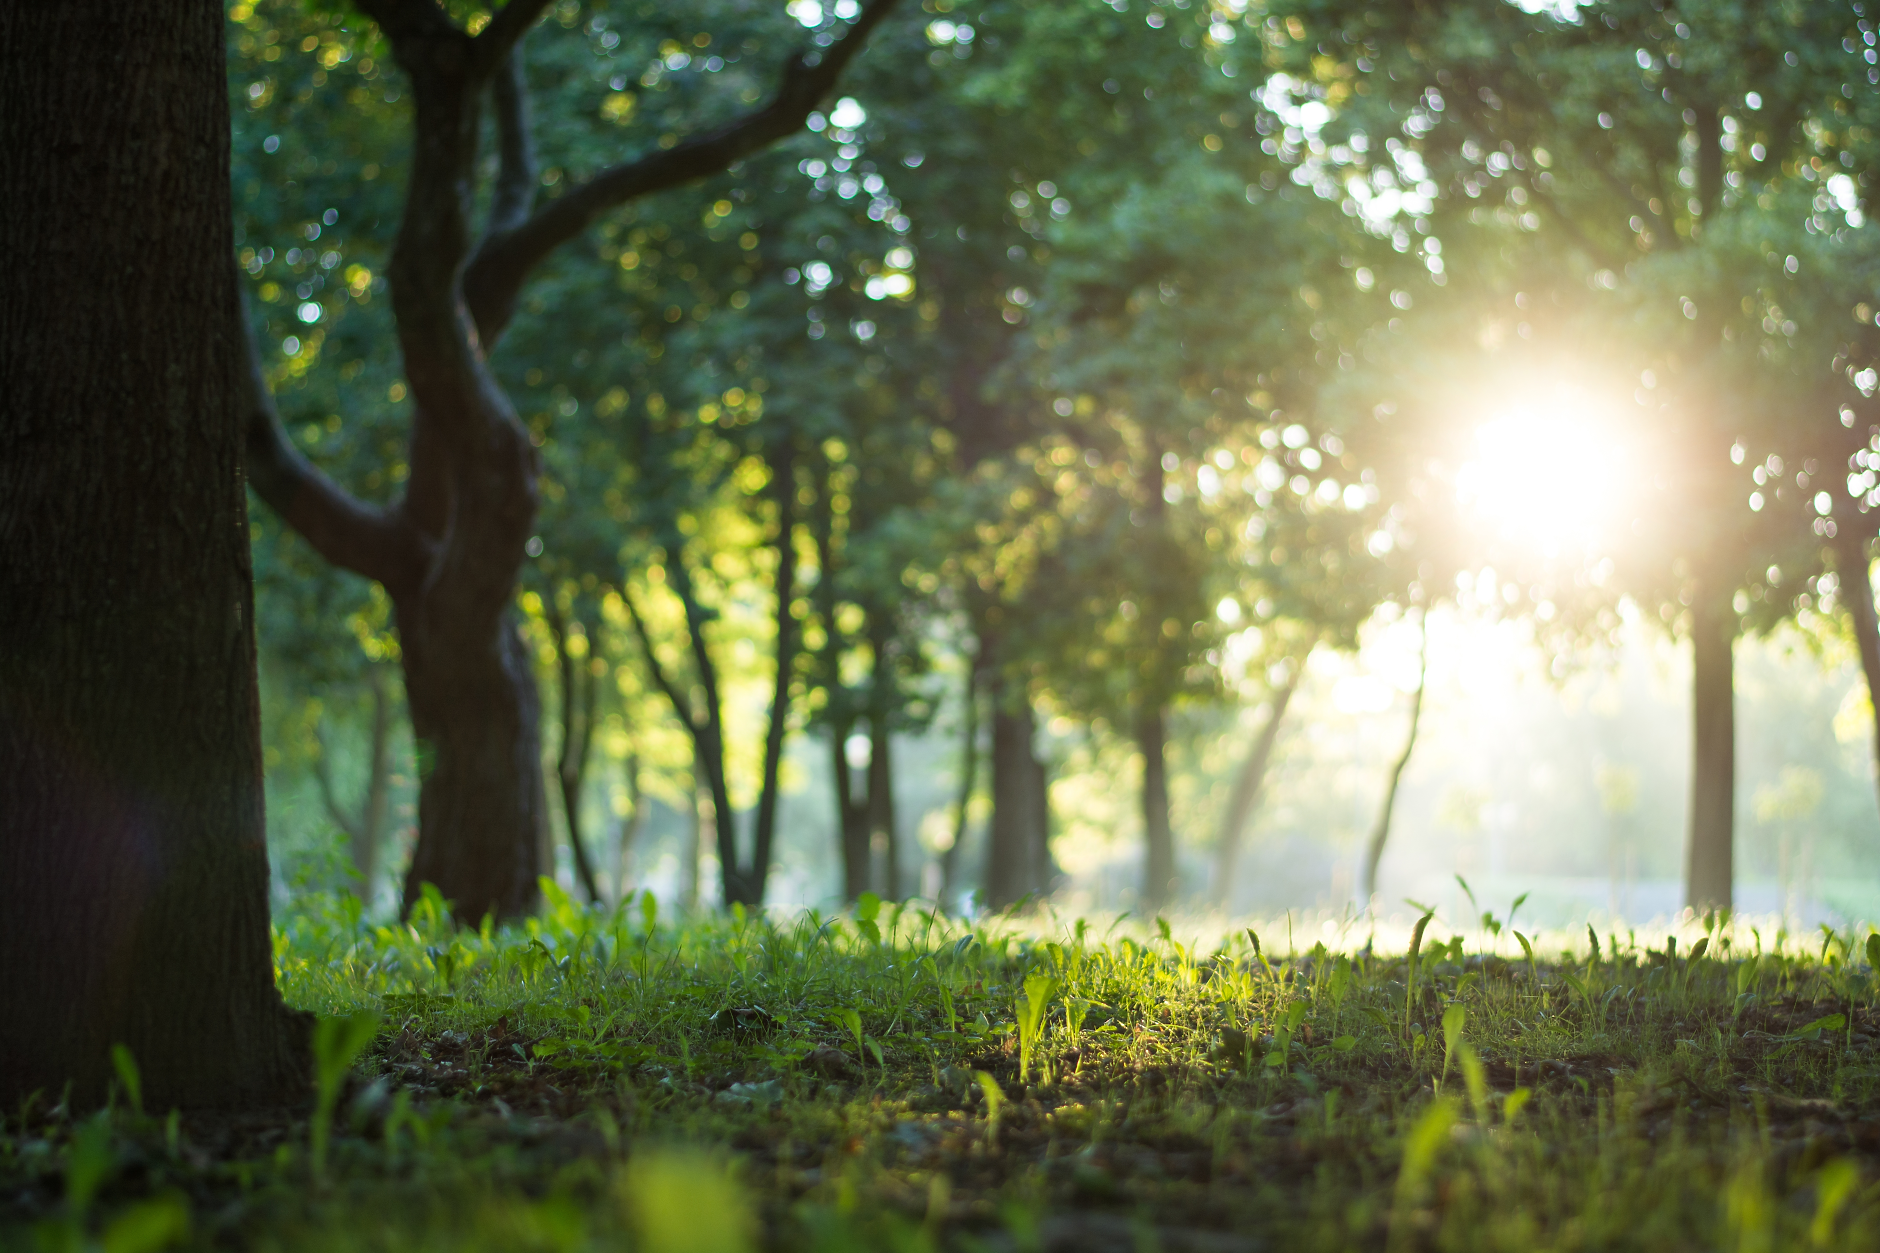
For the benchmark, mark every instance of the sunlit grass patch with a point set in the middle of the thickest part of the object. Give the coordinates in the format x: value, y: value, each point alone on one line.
x: 904, y: 1080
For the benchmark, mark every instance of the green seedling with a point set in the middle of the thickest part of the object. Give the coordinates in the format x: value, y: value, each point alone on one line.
x: 848, y: 1017
x: 1283, y: 1034
x: 336, y: 1042
x: 1410, y: 973
x: 867, y: 910
x: 128, y: 1077
x: 1452, y: 1036
x: 995, y: 1097
x: 1029, y: 1010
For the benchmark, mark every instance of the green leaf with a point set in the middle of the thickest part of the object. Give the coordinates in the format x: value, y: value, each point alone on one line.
x: 127, y: 1073
x: 1345, y: 1043
x: 144, y: 1228
x: 867, y: 907
x: 1833, y: 1022
x: 1452, y: 1025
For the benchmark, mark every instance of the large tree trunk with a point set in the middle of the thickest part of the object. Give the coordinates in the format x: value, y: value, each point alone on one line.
x: 1158, y: 864
x: 482, y: 806
x: 1850, y: 551
x: 133, y: 865
x: 1380, y: 831
x: 1248, y: 784
x: 1710, y: 850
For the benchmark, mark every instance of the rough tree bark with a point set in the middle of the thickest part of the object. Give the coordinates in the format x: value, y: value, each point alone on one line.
x: 133, y: 863
x: 1158, y: 864
x: 449, y: 551
x: 1248, y: 784
x: 364, y: 828
x: 1374, y: 847
x: 1709, y: 852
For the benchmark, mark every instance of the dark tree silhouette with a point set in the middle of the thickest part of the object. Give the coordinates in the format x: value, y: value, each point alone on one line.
x: 133, y: 867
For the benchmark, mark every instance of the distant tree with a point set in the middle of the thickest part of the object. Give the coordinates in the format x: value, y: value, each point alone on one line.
x: 133, y: 868
x: 1624, y: 164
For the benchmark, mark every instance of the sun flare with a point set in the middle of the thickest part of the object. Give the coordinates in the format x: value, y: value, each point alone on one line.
x: 1548, y: 469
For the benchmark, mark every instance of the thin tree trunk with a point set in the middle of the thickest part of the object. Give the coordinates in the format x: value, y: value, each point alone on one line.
x: 883, y: 832
x: 133, y: 865
x: 1248, y: 785
x: 969, y: 781
x: 743, y: 884
x: 1015, y: 866
x: 1159, y: 886
x: 365, y: 830
x: 851, y: 818
x: 632, y: 826
x: 1374, y: 848
x: 1043, y: 868
x: 1857, y: 594
x: 881, y: 816
x: 695, y: 845
x: 1709, y: 853
x: 753, y: 877
x: 578, y: 698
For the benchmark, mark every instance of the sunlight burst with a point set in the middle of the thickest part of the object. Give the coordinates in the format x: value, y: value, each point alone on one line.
x: 1550, y: 470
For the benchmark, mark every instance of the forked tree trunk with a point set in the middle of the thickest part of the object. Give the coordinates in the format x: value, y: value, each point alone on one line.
x: 1851, y: 562
x: 133, y: 861
x: 1248, y: 784
x: 450, y: 550
x: 1709, y: 853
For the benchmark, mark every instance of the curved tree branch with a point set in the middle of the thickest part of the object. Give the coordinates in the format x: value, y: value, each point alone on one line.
x: 497, y: 271
x: 514, y: 193
x: 369, y: 541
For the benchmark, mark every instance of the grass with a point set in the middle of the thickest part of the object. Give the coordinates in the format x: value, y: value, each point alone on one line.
x: 897, y: 1080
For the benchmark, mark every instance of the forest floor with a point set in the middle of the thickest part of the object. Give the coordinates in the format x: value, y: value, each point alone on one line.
x: 895, y: 1081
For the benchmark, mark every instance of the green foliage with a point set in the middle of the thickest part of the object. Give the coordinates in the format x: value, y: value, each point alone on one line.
x: 579, y: 1084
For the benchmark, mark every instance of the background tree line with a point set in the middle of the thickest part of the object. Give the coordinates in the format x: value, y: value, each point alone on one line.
x: 1086, y: 361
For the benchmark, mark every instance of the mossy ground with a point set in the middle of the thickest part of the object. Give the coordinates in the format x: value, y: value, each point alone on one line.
x: 908, y: 1082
